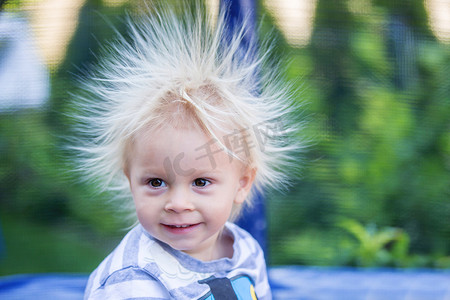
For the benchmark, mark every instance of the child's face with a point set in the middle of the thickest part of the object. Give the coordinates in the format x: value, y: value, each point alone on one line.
x: 184, y: 194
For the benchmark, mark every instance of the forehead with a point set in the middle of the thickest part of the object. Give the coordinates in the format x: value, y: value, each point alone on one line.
x: 186, y: 146
x: 171, y: 135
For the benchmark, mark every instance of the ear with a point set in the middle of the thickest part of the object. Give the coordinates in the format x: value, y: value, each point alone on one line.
x: 245, y: 185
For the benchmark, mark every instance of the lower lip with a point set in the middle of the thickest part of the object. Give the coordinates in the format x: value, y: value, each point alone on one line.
x: 180, y: 230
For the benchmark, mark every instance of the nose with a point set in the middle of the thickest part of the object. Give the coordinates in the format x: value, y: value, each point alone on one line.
x: 179, y: 201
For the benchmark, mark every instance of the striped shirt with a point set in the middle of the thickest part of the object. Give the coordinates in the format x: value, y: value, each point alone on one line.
x: 142, y: 267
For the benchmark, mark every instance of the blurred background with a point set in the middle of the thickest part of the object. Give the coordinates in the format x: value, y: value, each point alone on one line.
x: 375, y: 185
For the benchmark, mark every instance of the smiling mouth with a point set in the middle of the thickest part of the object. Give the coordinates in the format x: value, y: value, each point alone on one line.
x: 180, y: 228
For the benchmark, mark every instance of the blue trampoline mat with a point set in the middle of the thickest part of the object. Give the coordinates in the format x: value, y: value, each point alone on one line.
x: 350, y: 283
x: 289, y: 282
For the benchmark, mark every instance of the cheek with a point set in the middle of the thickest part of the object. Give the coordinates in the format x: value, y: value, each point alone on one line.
x: 148, y: 219
x: 221, y: 210
x: 144, y: 215
x: 146, y: 210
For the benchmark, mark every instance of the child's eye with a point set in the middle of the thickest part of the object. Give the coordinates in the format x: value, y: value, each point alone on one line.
x: 201, y: 182
x: 156, y: 183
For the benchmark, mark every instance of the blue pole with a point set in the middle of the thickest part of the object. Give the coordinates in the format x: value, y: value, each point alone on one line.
x: 253, y: 219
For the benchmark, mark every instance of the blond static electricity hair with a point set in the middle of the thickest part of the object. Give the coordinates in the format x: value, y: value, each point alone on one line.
x: 183, y: 68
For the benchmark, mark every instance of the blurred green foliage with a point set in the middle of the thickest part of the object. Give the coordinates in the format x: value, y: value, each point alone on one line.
x: 377, y: 87
x: 378, y: 247
x: 379, y: 94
